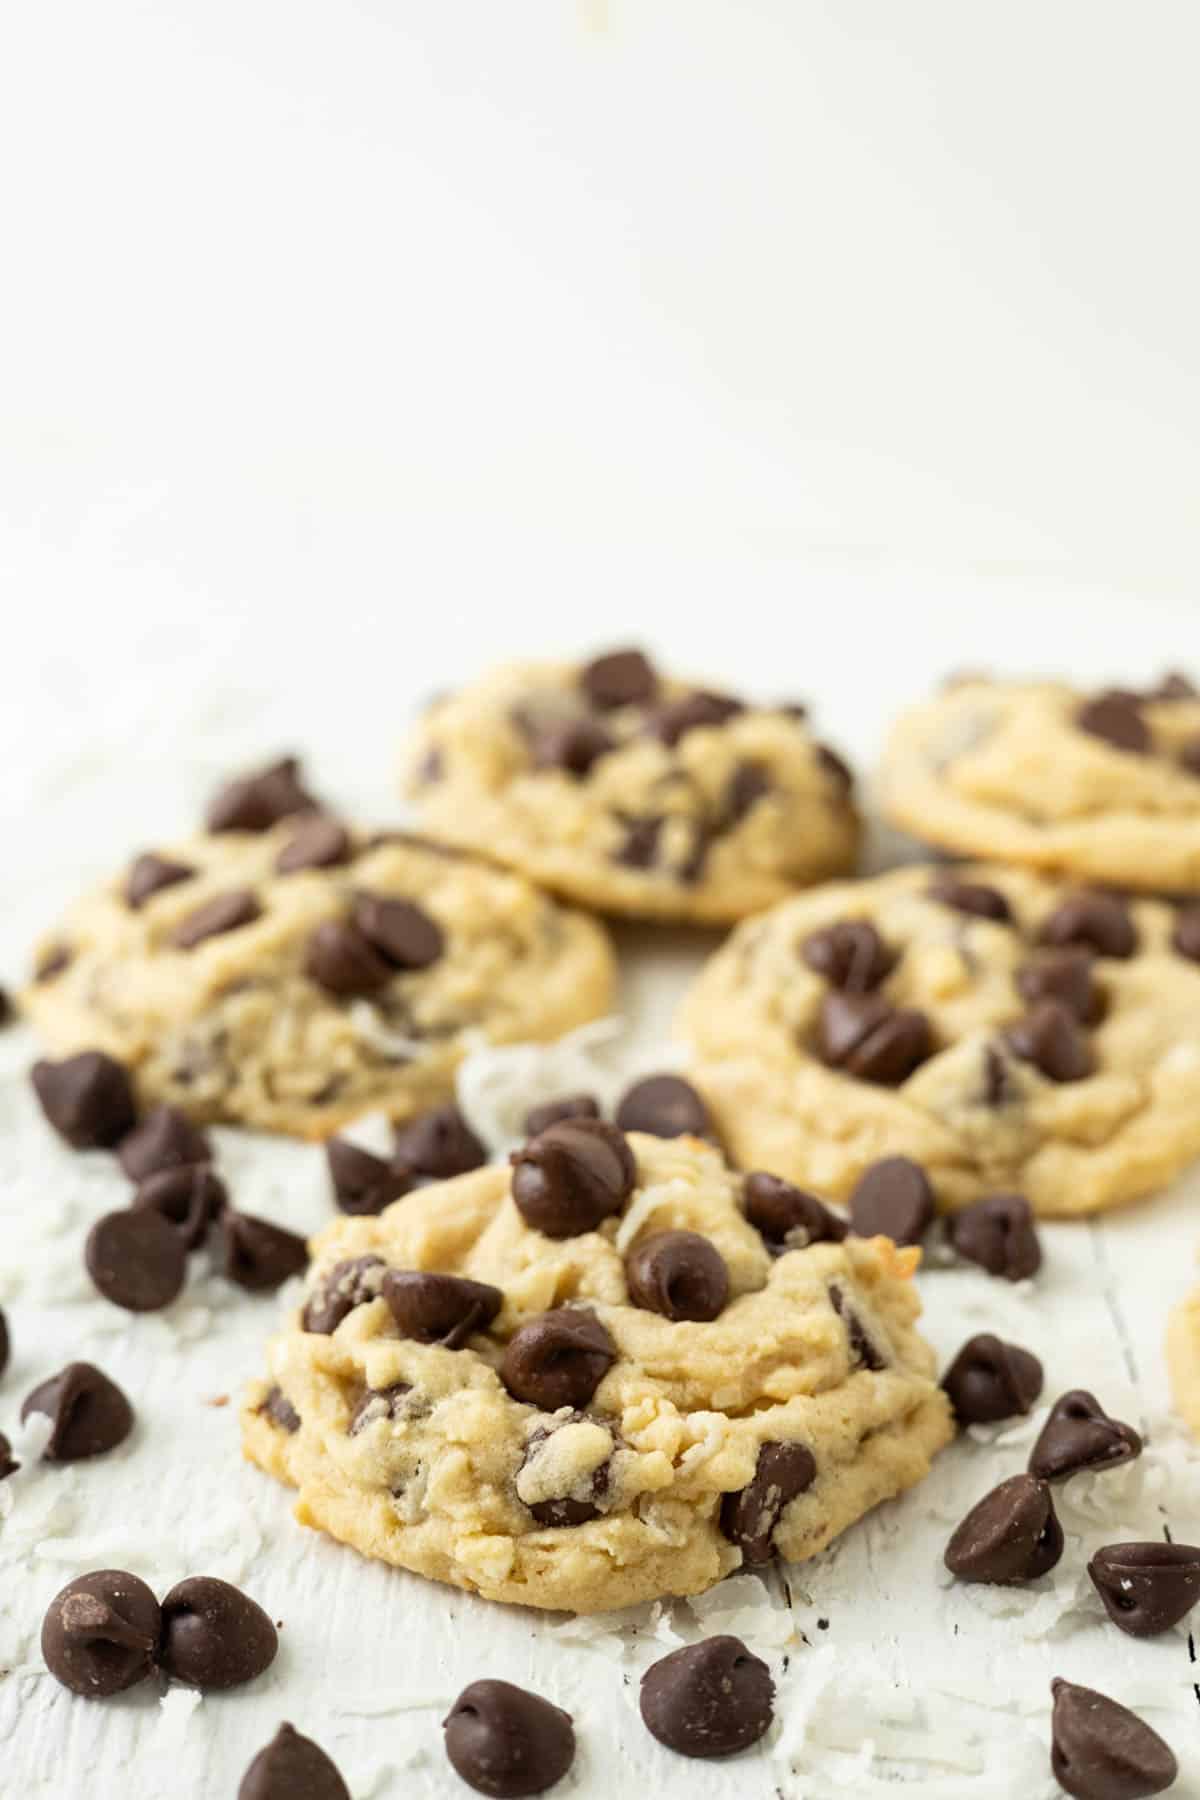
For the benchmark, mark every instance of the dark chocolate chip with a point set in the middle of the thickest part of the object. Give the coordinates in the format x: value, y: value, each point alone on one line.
x: 88, y: 1413
x: 7, y: 1010
x: 319, y: 843
x: 439, y: 1144
x: 363, y: 1183
x: 52, y: 962
x: 559, y: 1359
x: 292, y: 1767
x: 565, y: 1512
x: 787, y: 1217
x: 503, y: 1740
x: 1146, y: 1588
x: 1051, y: 1039
x: 708, y: 1699
x: 191, y: 1199
x: 213, y: 1635
x: 165, y: 1139
x: 998, y: 1233
x: 749, y: 1518
x: 749, y: 783
x: 893, y: 1199
x: 258, y: 801
x: 279, y: 1409
x: 869, y: 1038
x: 225, y: 912
x: 863, y: 1349
x: 850, y: 955
x: 136, y: 1259
x: 87, y: 1098
x: 621, y: 678
x: 348, y: 1284
x: 1079, y: 1437
x: 553, y: 1112
x: 971, y: 897
x: 691, y: 712
x: 991, y: 1380
x: 258, y: 1255
x: 1067, y: 976
x: 572, y: 1176
x: 1115, y: 717
x: 4, y: 1345
x: 639, y: 847
x: 678, y: 1274
x: 837, y: 767
x: 1099, y: 922
x: 440, y: 1309
x: 664, y: 1106
x: 1012, y: 1535
x: 572, y: 745
x: 150, y: 874
x: 1101, y: 1751
x: 339, y: 959
x: 100, y: 1633
x: 1186, y: 936
x: 401, y: 931
x: 377, y: 1404
x: 8, y: 1463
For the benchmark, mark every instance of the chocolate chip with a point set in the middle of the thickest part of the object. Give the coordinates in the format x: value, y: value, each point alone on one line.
x: 7, y: 1010
x: 505, y: 1741
x: 787, y: 1217
x: 52, y: 962
x: 88, y: 1413
x: 258, y: 1255
x: 749, y: 783
x: 191, y: 1199
x: 339, y: 959
x: 639, y: 847
x: 165, y: 1139
x: 225, y: 912
x: 1189, y: 756
x: 621, y: 678
x: 1146, y: 1588
x: 850, y: 955
x: 213, y: 1635
x: 150, y: 874
x: 401, y: 931
x: 1079, y: 1437
x: 553, y: 1112
x: 439, y: 1144
x: 572, y: 1176
x: 279, y: 1409
x: 691, y: 712
x: 1099, y: 922
x: 258, y: 801
x: 572, y: 745
x: 87, y: 1098
x: 377, y: 1404
x: 991, y: 1380
x: 708, y: 1699
x: 1012, y: 1535
x: 348, y: 1284
x: 664, y: 1106
x: 893, y: 1199
x: 136, y: 1259
x: 1050, y: 1038
x: 998, y: 1233
x: 1116, y: 718
x: 1186, y: 936
x: 863, y: 1350
x: 100, y: 1633
x: 8, y: 1464
x: 564, y: 1512
x: 749, y: 1518
x: 4, y: 1345
x: 867, y: 1037
x: 440, y: 1309
x: 836, y: 767
x: 559, y: 1359
x: 678, y: 1274
x: 1066, y: 976
x: 319, y: 843
x: 292, y: 1767
x: 1102, y: 1751
x: 971, y: 897
x: 363, y: 1183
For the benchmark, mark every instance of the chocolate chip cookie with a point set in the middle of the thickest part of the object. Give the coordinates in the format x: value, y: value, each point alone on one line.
x: 588, y: 1379
x: 1098, y: 787
x: 1006, y: 1032
x: 633, y: 792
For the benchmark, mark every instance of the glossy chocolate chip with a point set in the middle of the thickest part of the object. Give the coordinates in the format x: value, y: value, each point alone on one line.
x: 571, y: 1177
x: 439, y: 1144
x: 257, y: 1255
x: 100, y: 1633
x: 991, y: 1380
x: 893, y: 1199
x: 191, y: 1199
x: 972, y: 897
x: 279, y: 1409
x: 1186, y: 936
x: 850, y: 955
x: 292, y: 1767
x: 1146, y: 1588
x: 150, y: 874
x: 871, y: 1039
x: 165, y: 1139
x: 363, y: 1183
x: 1012, y: 1535
x: 864, y: 1351
x: 572, y: 745
x: 749, y: 1518
x: 1100, y: 922
x: 1067, y: 976
x: 1051, y: 1039
x: 619, y: 678
x: 678, y: 1274
x: 665, y: 1106
x: 692, y: 712
x: 213, y: 1635
x: 1116, y: 718
x: 787, y: 1217
x: 256, y: 802
x: 503, y: 1740
x: 559, y: 1359
x: 88, y: 1413
x: 708, y: 1699
x: 136, y: 1259
x: 318, y: 843
x: 998, y: 1233
x: 348, y: 1284
x: 339, y: 959
x: 401, y: 931
x: 553, y: 1112
x: 4, y: 1343
x: 1080, y: 1438
x: 440, y: 1309
x: 87, y: 1098
x: 8, y: 1463
x: 1101, y: 1751
x: 225, y: 912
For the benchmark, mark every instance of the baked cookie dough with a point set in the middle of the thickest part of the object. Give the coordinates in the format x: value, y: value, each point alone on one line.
x: 294, y: 977
x: 605, y: 1417
x: 633, y: 792
x: 1183, y: 1359
x: 1100, y: 787
x: 1004, y: 1031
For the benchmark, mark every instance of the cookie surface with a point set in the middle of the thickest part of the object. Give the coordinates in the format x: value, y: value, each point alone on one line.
x: 294, y: 998
x: 1097, y: 787
x: 420, y: 1455
x: 633, y: 793
x: 1054, y: 1052
x: 1183, y: 1359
